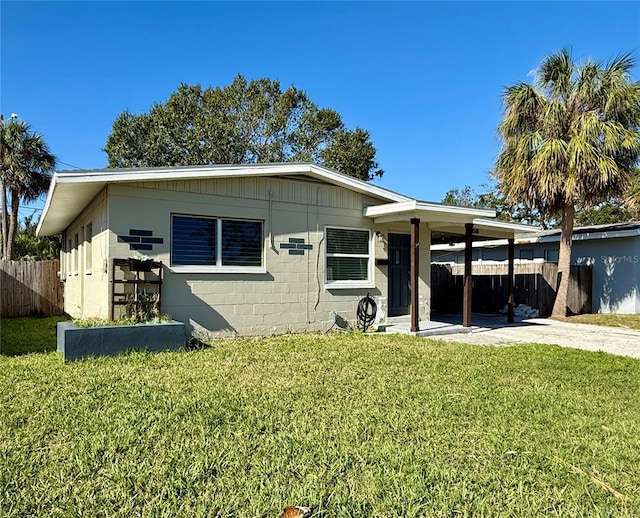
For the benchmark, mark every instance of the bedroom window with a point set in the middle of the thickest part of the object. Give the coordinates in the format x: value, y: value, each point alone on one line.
x: 348, y: 258
x: 216, y: 244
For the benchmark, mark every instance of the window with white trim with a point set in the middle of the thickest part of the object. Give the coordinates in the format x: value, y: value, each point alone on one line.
x: 216, y: 244
x: 348, y: 257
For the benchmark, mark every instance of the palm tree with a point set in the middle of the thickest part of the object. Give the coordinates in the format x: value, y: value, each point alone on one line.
x: 571, y: 137
x: 632, y: 196
x: 25, y: 173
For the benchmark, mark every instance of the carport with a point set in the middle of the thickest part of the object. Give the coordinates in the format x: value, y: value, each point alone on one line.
x: 449, y: 223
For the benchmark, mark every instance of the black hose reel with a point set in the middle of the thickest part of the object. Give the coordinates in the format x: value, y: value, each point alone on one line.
x: 366, y: 312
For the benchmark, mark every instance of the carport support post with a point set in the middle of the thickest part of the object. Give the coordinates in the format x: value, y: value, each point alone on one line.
x: 510, y: 279
x: 468, y: 255
x: 415, y: 268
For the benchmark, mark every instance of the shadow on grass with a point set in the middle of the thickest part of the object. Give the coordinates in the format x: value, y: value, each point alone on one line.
x: 26, y: 335
x: 196, y: 344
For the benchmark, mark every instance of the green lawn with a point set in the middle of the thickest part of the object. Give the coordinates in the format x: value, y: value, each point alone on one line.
x: 28, y: 335
x: 351, y: 425
x: 601, y: 319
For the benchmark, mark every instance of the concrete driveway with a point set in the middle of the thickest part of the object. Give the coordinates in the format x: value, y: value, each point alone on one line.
x: 494, y: 330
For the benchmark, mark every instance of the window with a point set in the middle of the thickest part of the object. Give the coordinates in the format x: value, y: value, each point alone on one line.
x: 241, y: 243
x: 216, y: 244
x: 348, y: 257
x: 69, y: 256
x: 551, y: 255
x: 88, y: 259
x: 193, y: 241
x: 527, y: 254
x: 76, y: 249
x: 475, y: 256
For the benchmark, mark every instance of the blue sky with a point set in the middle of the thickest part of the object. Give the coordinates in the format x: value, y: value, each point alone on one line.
x: 424, y: 78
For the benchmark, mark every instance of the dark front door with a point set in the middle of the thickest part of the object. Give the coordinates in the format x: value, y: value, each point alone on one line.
x: 399, y: 274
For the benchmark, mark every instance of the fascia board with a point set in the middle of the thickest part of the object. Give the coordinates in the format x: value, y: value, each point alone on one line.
x: 388, y: 209
x: 47, y: 204
x: 506, y: 225
x: 589, y: 236
x: 606, y: 235
x: 414, y: 206
x: 181, y: 173
x: 453, y: 209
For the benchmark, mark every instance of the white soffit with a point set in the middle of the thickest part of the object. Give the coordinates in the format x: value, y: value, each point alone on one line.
x: 63, y: 205
x: 71, y: 191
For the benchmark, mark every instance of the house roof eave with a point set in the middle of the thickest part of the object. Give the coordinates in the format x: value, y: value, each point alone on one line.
x: 71, y: 191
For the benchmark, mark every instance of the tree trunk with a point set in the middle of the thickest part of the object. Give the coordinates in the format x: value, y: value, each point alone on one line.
x: 13, y: 224
x: 4, y: 221
x: 564, y: 261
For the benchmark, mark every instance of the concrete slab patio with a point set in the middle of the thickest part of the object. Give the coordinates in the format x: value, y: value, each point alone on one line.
x: 494, y: 330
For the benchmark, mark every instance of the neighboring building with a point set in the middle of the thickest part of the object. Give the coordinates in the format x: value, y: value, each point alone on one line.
x: 613, y: 251
x: 250, y: 249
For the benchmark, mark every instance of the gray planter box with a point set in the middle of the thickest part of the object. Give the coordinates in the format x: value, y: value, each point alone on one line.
x: 80, y: 342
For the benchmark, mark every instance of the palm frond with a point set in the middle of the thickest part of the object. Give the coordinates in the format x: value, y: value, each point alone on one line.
x: 587, y: 85
x: 523, y: 107
x: 27, y: 161
x: 621, y: 64
x: 621, y: 102
x: 556, y: 74
x: 631, y: 196
x: 554, y: 120
x: 551, y: 156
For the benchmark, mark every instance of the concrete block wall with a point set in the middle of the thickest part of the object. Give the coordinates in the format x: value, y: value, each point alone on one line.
x: 290, y: 295
x: 84, y: 267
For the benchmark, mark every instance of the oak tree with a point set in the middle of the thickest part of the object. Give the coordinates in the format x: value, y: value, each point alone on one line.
x: 245, y: 122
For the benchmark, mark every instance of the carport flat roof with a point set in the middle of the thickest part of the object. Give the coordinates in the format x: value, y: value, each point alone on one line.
x: 448, y: 219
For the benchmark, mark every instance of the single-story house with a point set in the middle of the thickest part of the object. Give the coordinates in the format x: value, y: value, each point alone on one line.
x: 613, y: 251
x: 250, y: 249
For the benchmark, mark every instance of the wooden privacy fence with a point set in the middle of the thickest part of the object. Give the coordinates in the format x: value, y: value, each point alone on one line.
x: 30, y: 288
x: 534, y: 285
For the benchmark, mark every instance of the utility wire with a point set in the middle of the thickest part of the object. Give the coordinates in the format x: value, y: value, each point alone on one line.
x: 70, y: 165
